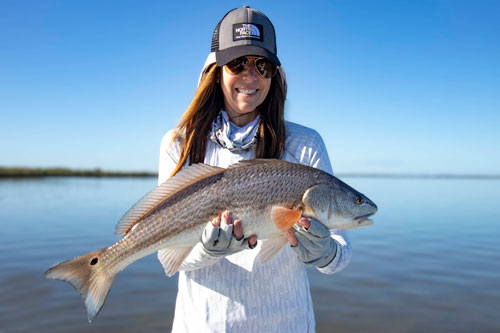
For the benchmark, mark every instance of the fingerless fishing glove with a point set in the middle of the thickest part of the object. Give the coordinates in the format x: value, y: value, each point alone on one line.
x: 315, y: 245
x: 220, y: 241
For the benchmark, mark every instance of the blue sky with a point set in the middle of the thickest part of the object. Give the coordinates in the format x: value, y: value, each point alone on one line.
x: 392, y: 86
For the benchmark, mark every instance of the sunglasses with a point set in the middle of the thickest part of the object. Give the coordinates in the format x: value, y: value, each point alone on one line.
x: 265, y: 67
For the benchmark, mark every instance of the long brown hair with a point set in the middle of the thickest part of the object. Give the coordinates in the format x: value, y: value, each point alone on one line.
x: 196, y: 122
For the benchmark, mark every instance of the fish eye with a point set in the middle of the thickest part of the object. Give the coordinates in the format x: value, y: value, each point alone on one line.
x: 359, y: 201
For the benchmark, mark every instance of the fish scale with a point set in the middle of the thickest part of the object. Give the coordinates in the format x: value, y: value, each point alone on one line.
x: 268, y: 196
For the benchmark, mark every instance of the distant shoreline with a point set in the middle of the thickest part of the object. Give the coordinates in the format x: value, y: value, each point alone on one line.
x: 418, y: 175
x: 6, y: 172
x: 20, y: 172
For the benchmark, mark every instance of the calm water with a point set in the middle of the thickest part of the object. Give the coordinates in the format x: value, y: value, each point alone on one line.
x: 430, y: 263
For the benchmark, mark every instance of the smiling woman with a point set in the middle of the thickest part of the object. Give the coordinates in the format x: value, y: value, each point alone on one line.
x: 238, y: 114
x: 244, y: 90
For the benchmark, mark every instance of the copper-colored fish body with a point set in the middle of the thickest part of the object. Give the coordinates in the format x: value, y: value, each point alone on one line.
x: 268, y: 196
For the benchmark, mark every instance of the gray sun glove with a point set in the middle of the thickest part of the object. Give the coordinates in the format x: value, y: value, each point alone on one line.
x: 315, y: 246
x: 220, y: 241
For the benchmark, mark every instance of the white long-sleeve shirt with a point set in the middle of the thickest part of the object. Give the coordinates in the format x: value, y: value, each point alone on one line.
x: 237, y: 293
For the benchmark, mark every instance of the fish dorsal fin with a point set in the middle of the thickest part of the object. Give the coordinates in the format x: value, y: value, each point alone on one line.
x: 244, y: 163
x: 284, y: 218
x: 182, y: 179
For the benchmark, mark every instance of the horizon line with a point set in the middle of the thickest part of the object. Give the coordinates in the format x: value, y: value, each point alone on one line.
x: 25, y: 172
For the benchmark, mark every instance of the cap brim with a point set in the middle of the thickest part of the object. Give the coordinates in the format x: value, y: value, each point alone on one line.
x: 224, y: 56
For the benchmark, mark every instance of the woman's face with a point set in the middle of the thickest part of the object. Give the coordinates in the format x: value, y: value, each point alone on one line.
x: 243, y: 93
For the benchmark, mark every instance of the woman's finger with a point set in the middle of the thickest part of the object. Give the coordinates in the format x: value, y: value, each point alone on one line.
x: 290, y: 236
x: 227, y: 217
x: 238, y: 229
x: 252, y: 240
x: 305, y: 223
x: 216, y: 221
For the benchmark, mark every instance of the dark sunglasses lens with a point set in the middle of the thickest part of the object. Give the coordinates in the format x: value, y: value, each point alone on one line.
x: 265, y: 68
x: 237, y: 65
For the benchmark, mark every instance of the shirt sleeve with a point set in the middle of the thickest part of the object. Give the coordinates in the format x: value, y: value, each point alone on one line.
x: 169, y: 156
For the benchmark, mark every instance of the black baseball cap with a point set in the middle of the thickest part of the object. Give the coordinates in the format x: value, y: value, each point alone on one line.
x: 244, y: 31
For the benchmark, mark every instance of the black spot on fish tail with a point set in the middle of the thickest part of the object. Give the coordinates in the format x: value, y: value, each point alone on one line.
x: 92, y: 282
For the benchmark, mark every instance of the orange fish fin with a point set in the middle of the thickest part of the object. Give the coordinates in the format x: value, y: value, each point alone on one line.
x: 284, y: 218
x: 172, y: 258
x: 270, y: 247
x: 153, y: 199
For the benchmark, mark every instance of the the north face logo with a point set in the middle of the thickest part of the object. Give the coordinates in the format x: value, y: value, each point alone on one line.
x: 247, y: 31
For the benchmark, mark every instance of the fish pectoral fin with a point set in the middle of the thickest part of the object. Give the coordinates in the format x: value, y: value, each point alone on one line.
x: 284, y: 218
x: 172, y: 258
x: 270, y: 247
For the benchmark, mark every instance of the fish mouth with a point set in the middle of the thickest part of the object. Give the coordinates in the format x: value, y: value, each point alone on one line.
x: 363, y: 216
x: 363, y: 219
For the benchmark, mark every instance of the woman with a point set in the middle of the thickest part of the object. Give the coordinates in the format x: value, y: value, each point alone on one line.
x: 238, y: 114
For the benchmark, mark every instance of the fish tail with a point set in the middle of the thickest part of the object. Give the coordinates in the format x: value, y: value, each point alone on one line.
x: 88, y: 276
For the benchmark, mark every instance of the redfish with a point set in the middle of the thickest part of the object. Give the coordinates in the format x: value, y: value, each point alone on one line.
x: 268, y: 196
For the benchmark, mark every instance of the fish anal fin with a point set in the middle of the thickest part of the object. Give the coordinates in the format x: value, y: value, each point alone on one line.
x: 284, y: 218
x: 270, y: 247
x: 172, y: 258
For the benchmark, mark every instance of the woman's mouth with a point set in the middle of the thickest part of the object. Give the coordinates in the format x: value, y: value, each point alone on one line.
x: 246, y: 91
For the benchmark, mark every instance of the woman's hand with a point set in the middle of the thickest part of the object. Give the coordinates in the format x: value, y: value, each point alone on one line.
x: 223, y: 237
x: 312, y: 242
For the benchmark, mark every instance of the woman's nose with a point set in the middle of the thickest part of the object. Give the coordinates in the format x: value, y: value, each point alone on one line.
x: 250, y: 73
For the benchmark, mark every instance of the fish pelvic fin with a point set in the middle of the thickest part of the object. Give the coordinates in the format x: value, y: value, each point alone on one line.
x: 284, y: 218
x: 88, y: 277
x: 270, y: 247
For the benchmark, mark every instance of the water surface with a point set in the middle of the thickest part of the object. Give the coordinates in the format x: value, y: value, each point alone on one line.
x: 430, y: 262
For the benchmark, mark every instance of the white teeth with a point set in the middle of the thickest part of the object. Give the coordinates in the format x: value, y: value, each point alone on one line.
x: 248, y: 92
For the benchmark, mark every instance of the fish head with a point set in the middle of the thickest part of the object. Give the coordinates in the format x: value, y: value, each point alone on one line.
x: 349, y: 208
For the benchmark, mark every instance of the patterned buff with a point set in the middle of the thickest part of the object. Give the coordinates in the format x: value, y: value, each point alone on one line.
x: 232, y: 137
